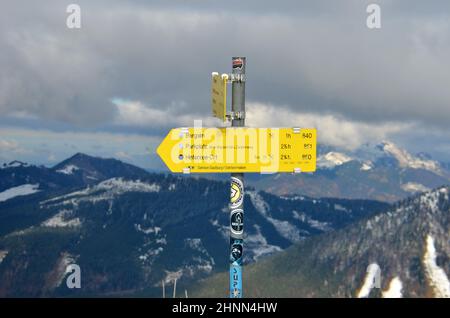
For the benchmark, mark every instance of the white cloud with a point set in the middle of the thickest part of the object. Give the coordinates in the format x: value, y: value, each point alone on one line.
x: 52, y: 158
x: 10, y: 148
x: 6, y: 145
x: 135, y: 113
x: 331, y: 129
x: 123, y: 155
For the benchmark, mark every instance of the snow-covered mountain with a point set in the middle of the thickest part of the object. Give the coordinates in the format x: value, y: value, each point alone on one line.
x: 332, y: 159
x: 77, y: 170
x: 406, y: 159
x: 383, y: 172
x: 370, y: 155
x: 129, y: 229
x: 404, y: 252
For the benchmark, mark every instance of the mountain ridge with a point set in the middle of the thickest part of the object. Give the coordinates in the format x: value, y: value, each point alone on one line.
x: 129, y: 232
x: 383, y: 172
x: 408, y: 244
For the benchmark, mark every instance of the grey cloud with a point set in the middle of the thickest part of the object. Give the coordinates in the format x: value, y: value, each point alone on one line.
x: 298, y: 7
x: 314, y: 56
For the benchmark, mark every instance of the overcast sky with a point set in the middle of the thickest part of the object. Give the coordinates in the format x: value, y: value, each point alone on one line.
x: 135, y: 69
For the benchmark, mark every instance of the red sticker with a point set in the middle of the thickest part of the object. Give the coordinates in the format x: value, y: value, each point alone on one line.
x: 238, y: 63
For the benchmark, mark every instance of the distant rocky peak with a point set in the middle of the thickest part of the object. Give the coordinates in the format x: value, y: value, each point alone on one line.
x: 333, y: 159
x: 14, y: 164
x: 407, y: 160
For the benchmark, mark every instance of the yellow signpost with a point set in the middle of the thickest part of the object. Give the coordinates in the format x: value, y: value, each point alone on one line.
x: 239, y: 149
x: 219, y: 95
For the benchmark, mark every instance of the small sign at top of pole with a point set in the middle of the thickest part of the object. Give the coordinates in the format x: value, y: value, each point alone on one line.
x: 219, y: 95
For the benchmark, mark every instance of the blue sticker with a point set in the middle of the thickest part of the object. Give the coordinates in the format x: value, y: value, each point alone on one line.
x: 235, y: 281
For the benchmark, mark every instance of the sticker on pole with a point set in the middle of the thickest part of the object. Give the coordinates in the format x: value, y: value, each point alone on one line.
x: 237, y: 221
x: 236, y: 252
x: 237, y: 193
x: 238, y: 63
x: 235, y: 281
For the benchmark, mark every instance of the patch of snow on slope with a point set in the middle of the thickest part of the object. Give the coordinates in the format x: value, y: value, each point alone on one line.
x: 257, y: 246
x: 339, y: 207
x: 105, y: 190
x: 204, y: 263
x: 332, y: 159
x: 65, y: 260
x: 394, y: 290
x: 150, y: 230
x: 195, y: 244
x: 293, y: 198
x: 367, y: 165
x: 172, y: 276
x: 122, y: 186
x: 21, y: 190
x: 222, y: 229
x: 69, y: 169
x: 284, y: 228
x: 151, y: 254
x: 414, y: 187
x: 323, y: 226
x: 161, y: 241
x: 62, y: 220
x: 373, y: 272
x: 436, y: 275
x: 20, y: 232
x: 3, y: 254
x: 430, y: 200
x: 406, y: 160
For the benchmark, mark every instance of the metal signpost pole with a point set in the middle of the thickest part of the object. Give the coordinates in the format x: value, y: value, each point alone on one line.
x: 292, y: 150
x: 237, y: 182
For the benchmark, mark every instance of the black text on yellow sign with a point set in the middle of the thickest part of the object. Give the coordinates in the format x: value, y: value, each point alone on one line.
x: 239, y: 149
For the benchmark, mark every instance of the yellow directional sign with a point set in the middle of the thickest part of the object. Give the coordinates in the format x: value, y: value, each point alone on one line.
x: 219, y: 95
x: 239, y: 149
